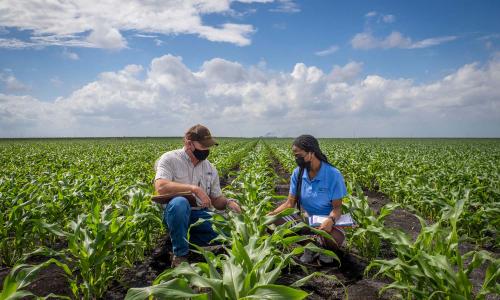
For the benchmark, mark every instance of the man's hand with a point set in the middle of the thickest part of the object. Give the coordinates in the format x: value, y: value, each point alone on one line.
x: 327, y: 225
x: 233, y: 205
x: 200, y: 193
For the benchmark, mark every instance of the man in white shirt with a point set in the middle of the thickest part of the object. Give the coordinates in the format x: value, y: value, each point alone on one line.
x: 188, y: 170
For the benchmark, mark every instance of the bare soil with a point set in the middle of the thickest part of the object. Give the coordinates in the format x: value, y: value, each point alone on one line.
x: 351, y: 279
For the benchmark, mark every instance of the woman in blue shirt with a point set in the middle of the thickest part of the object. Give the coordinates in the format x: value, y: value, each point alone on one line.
x: 321, y: 191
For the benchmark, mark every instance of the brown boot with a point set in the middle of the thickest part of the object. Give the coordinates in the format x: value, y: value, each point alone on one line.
x: 177, y: 260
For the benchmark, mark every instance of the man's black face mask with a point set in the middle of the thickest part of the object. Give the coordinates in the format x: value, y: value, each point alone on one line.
x: 302, y: 163
x: 201, y: 154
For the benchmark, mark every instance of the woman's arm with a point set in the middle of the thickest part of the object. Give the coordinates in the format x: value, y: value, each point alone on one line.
x: 336, y: 212
x: 289, y: 203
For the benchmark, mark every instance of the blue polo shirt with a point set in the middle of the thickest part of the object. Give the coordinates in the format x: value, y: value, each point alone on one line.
x: 317, y: 193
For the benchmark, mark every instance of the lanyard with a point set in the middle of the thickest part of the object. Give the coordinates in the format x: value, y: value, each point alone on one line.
x: 299, y: 188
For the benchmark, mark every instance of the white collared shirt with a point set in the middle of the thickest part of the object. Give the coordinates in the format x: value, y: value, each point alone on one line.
x: 176, y: 166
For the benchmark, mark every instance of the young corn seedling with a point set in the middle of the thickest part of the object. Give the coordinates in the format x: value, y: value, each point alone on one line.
x: 432, y: 265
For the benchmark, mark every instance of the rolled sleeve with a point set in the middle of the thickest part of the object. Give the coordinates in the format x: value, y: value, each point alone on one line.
x: 339, y: 189
x: 164, y: 169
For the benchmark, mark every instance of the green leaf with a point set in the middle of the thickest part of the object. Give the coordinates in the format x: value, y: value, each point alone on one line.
x: 173, y: 289
x: 276, y: 292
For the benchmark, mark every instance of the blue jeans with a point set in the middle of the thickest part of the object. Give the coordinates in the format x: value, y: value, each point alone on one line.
x: 178, y: 216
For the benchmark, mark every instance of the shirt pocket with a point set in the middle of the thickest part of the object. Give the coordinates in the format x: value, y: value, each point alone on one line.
x: 207, y: 181
x: 181, y: 176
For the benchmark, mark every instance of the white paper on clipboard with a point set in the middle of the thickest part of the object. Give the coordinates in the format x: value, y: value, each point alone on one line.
x: 344, y: 220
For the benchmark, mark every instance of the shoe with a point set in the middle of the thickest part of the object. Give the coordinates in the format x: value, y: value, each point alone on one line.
x: 308, y: 257
x: 177, y: 260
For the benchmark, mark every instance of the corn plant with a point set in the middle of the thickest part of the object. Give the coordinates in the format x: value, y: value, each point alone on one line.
x: 432, y: 267
x: 22, y: 275
x: 363, y: 238
x: 254, y: 258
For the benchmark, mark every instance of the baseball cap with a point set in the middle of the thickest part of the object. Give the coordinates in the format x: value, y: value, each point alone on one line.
x: 200, y: 134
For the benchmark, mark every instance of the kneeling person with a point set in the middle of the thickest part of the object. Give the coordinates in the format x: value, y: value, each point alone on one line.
x: 316, y: 188
x: 188, y: 170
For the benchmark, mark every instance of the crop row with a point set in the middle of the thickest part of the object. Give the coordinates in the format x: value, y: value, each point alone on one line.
x: 86, y: 204
x: 431, y: 265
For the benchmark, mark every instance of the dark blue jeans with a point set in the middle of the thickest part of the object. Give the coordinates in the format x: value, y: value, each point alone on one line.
x: 178, y: 216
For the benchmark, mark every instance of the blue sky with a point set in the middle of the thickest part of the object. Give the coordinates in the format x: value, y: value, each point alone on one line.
x: 331, y: 68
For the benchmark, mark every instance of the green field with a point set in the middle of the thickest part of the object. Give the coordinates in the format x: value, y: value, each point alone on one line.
x: 84, y: 206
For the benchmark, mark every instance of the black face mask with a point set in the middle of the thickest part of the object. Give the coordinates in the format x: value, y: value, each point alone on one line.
x: 302, y: 163
x: 201, y: 154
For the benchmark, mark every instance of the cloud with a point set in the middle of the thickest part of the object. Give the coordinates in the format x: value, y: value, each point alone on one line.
x: 107, y: 38
x: 101, y: 24
x: 56, y: 81
x: 70, y: 55
x: 158, y: 42
x: 328, y: 51
x: 286, y: 6
x: 147, y: 36
x: 388, y: 18
x: 381, y: 17
x: 167, y: 97
x: 44, y: 41
x: 346, y: 73
x: 11, y: 84
x: 489, y: 40
x: 395, y: 39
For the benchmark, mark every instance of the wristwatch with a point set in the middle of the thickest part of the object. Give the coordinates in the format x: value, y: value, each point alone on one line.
x: 333, y: 219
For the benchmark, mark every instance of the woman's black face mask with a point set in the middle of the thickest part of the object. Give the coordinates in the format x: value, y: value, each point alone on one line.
x: 302, y: 163
x: 200, y: 154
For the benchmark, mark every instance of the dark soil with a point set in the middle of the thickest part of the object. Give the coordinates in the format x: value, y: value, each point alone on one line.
x: 399, y: 218
x: 145, y: 272
x: 352, y: 281
x: 282, y: 186
x: 49, y: 280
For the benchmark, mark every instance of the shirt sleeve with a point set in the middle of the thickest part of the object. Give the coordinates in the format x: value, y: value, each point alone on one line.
x: 293, y: 182
x: 215, y: 190
x: 339, y: 189
x: 164, y: 169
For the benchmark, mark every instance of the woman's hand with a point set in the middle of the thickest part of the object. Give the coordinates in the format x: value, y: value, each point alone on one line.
x: 327, y: 225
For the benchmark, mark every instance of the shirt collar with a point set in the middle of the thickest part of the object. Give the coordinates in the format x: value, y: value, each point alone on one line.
x: 184, y: 154
x: 319, y: 176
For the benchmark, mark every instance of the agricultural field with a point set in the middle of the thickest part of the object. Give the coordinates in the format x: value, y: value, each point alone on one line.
x: 77, y: 221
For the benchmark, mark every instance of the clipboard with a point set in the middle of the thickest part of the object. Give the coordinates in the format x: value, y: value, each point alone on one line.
x: 165, y: 198
x: 345, y: 220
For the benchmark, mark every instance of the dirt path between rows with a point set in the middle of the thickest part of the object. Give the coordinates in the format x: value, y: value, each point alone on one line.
x: 350, y: 273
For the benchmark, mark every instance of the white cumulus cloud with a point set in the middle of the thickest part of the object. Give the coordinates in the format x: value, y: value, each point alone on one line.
x: 101, y: 24
x: 167, y: 97
x: 11, y: 83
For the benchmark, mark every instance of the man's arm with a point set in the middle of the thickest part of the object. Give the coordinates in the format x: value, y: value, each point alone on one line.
x: 222, y: 202
x: 164, y: 186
